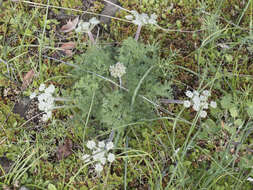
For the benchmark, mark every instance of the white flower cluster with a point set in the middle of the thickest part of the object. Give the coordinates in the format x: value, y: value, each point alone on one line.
x: 100, y: 154
x: 142, y: 19
x: 46, y: 100
x: 199, y: 102
x: 117, y: 70
x: 87, y: 26
x: 250, y: 179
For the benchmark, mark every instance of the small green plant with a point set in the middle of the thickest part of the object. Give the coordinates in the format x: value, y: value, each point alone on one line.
x: 122, y: 84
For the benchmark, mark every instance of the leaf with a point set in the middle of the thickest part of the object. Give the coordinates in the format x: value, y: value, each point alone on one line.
x: 28, y: 79
x: 226, y: 101
x: 238, y: 122
x: 230, y: 129
x: 67, y: 47
x: 233, y: 111
x: 250, y: 111
x: 139, y: 85
x: 71, y: 25
x: 64, y: 150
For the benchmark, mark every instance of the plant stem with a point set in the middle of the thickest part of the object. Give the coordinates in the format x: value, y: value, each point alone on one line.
x: 138, y: 32
x: 111, y: 136
x: 91, y: 37
x: 169, y: 101
x: 120, y: 81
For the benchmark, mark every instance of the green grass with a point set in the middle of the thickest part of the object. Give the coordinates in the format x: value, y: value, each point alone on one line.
x: 174, y: 150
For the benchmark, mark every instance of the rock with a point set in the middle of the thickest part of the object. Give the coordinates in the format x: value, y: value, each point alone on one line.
x: 21, y: 106
x: 5, y: 164
x: 109, y: 10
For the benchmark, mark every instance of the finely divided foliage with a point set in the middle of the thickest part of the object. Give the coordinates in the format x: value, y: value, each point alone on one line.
x: 136, y: 65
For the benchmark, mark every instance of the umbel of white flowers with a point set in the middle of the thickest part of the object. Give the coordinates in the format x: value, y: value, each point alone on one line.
x: 100, y: 154
x: 140, y: 20
x: 86, y: 27
x: 118, y: 70
x: 199, y: 102
x: 46, y: 100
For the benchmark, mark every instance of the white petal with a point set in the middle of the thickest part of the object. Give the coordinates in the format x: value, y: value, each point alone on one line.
x: 250, y: 179
x: 83, y: 27
x: 111, y: 157
x: 98, y: 168
x: 135, y: 13
x: 213, y: 104
x: 45, y: 117
x: 196, y: 100
x: 94, y: 21
x: 176, y: 151
x: 41, y: 97
x: 153, y: 16
x: 50, y: 89
x: 137, y: 22
x: 203, y: 114
x: 152, y: 19
x: 102, y: 160
x: 129, y: 17
x: 109, y: 145
x: 78, y: 29
x: 204, y: 105
x: 196, y: 107
x: 203, y: 98
x: 91, y: 145
x: 42, y: 106
x: 42, y: 87
x: 86, y: 158
x: 101, y: 144
x: 33, y: 95
x: 189, y: 94
x: 187, y: 103
x: 49, y: 114
x: 98, y: 154
x: 196, y: 93
x: 206, y: 93
x: 144, y: 16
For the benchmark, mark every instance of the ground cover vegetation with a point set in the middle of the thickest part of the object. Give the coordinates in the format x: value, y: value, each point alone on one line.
x: 126, y: 94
